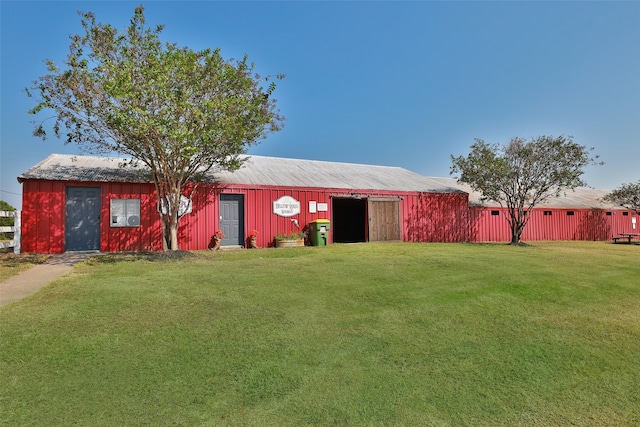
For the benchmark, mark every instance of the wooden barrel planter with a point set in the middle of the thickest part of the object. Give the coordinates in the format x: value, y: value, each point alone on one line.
x: 289, y: 243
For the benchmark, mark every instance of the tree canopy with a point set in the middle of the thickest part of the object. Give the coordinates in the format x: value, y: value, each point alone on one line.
x: 523, y: 173
x: 627, y: 196
x: 6, y: 221
x: 176, y: 111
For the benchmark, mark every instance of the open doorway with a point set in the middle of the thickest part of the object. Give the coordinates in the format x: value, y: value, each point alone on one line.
x: 349, y: 220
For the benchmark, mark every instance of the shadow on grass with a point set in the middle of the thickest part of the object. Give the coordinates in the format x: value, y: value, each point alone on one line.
x: 15, y: 260
x: 114, y: 258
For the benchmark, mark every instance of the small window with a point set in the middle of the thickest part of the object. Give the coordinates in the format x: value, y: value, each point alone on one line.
x: 125, y: 213
x: 608, y: 213
x: 570, y: 213
x: 547, y: 213
x: 625, y: 213
x: 494, y: 213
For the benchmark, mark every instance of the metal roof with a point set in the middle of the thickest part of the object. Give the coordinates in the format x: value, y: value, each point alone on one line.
x: 64, y: 167
x: 283, y: 172
x: 578, y: 198
x: 276, y: 171
x: 257, y: 171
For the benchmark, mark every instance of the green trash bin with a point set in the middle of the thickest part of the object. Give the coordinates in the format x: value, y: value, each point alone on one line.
x: 319, y: 232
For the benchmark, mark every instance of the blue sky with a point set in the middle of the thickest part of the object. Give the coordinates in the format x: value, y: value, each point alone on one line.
x: 389, y: 83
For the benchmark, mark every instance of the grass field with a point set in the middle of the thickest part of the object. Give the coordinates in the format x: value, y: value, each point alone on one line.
x: 393, y: 334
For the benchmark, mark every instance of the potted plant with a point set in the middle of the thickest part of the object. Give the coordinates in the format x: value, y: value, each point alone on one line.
x: 216, y: 240
x: 287, y: 240
x: 252, y: 239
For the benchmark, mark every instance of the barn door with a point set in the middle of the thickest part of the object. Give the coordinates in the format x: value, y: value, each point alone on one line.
x: 384, y: 219
x: 232, y: 219
x: 82, y: 219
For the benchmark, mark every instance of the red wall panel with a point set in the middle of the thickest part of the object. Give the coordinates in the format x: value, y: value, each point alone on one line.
x: 552, y: 224
x: 436, y: 217
x: 43, y: 206
x: 426, y: 217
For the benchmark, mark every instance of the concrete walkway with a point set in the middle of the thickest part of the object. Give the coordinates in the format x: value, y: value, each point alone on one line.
x: 29, y: 282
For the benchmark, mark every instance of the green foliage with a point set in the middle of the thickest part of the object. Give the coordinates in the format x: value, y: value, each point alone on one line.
x: 4, y: 206
x: 294, y: 235
x: 6, y: 221
x: 627, y: 195
x: 392, y: 334
x: 177, y: 111
x: 522, y: 174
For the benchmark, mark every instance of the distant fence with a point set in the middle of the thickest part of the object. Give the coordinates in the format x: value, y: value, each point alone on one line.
x: 15, y: 229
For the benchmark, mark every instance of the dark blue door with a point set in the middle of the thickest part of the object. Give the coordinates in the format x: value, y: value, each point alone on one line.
x: 82, y: 223
x: 232, y: 219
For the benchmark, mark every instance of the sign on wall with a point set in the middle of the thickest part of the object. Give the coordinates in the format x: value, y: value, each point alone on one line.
x: 186, y: 206
x: 286, y: 206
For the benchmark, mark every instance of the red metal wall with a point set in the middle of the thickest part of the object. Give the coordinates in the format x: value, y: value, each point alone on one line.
x: 43, y: 217
x: 556, y: 224
x: 146, y: 237
x: 426, y: 217
x: 197, y: 228
x: 432, y: 217
x: 436, y: 217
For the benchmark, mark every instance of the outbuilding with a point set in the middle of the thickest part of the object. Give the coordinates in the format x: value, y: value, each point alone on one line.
x: 88, y: 203
x: 579, y: 214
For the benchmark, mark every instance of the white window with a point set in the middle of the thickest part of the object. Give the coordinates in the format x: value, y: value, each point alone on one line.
x: 125, y: 213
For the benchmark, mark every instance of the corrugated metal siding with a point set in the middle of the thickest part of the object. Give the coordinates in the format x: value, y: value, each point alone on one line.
x: 64, y: 167
x: 43, y: 205
x: 440, y: 217
x: 556, y: 224
x: 258, y: 171
x: 198, y: 227
x: 436, y: 217
x: 43, y: 217
x: 146, y: 237
x: 426, y: 217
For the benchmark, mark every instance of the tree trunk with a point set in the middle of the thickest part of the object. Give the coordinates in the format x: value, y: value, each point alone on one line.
x: 517, y: 227
x: 170, y: 205
x: 173, y: 233
x: 169, y: 233
x: 516, y: 224
x: 515, y: 235
x: 165, y: 245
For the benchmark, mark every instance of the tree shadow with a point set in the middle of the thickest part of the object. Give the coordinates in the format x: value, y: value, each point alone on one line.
x: 439, y: 217
x: 199, y: 226
x: 593, y: 226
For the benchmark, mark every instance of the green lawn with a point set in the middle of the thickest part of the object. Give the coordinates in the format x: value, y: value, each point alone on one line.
x: 394, y: 334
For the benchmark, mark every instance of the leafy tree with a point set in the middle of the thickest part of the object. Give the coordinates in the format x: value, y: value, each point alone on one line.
x: 176, y: 111
x: 6, y: 221
x: 627, y: 195
x: 522, y: 174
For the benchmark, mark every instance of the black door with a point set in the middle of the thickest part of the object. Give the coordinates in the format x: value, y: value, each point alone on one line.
x: 82, y: 220
x: 349, y: 220
x: 231, y: 219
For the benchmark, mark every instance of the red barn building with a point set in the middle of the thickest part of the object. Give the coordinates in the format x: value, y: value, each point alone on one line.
x: 578, y: 214
x: 85, y: 203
